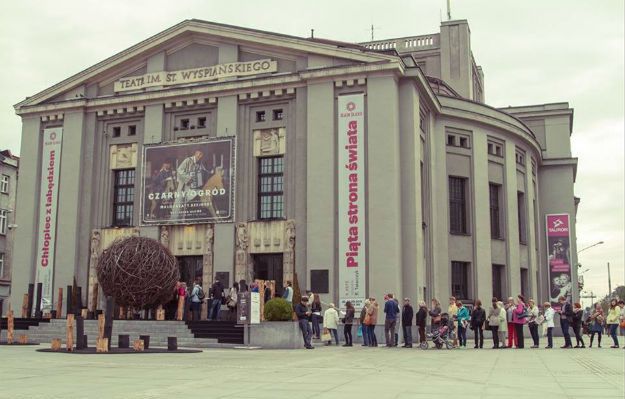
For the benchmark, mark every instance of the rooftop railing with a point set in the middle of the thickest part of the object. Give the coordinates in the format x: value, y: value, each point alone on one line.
x: 404, y: 44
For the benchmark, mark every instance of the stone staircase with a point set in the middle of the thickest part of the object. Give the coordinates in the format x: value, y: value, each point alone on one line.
x: 157, y: 330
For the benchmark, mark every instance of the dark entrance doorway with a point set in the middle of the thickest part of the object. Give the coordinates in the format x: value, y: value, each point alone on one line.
x: 190, y: 267
x: 269, y: 267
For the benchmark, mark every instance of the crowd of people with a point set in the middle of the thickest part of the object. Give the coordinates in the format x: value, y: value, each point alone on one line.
x: 506, y: 321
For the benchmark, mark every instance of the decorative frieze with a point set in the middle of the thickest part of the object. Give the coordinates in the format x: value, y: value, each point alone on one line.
x: 120, y: 111
x: 123, y: 156
x: 269, y: 142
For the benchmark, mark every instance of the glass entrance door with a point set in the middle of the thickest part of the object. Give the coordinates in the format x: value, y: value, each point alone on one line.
x: 190, y: 268
x: 269, y: 267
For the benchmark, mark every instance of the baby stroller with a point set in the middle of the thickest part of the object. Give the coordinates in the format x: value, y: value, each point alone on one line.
x: 441, y: 336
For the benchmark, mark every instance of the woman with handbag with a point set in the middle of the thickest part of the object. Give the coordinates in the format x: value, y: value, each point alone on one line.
x: 493, y: 322
x: 503, y: 325
x: 363, y: 323
x: 519, y: 318
x: 372, y: 312
x: 316, y: 317
x: 614, y: 314
x: 421, y: 317
x: 596, y: 324
x: 532, y: 322
x: 510, y: 306
x: 577, y: 325
x: 331, y: 325
x: 435, y: 314
x: 463, y: 322
x: 348, y: 321
x: 478, y: 316
x: 549, y: 323
x: 231, y: 301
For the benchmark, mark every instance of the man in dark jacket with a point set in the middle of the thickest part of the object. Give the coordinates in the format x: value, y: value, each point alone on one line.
x: 406, y: 323
x: 422, y: 316
x: 217, y: 293
x: 303, y: 314
x: 391, y: 309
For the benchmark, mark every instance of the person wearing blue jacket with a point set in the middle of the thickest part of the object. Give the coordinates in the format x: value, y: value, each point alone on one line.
x: 392, y: 310
x: 463, y: 318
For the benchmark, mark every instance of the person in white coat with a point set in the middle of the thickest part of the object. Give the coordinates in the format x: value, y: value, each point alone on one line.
x: 503, y: 325
x: 549, y: 314
x: 331, y: 323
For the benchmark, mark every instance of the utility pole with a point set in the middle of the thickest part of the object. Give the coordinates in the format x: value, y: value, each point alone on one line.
x: 449, y: 10
x: 372, y: 32
x: 609, y: 282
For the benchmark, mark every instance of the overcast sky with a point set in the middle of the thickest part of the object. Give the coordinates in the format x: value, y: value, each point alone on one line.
x: 532, y: 52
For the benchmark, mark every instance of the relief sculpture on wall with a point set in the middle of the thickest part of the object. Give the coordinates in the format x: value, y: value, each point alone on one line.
x: 289, y: 251
x: 207, y: 265
x: 242, y: 269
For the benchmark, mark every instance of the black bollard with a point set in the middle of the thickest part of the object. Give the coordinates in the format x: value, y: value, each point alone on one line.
x: 38, y: 313
x: 85, y: 342
x: 31, y: 293
x: 68, y: 301
x: 172, y: 343
x: 108, y: 319
x: 146, y: 341
x: 123, y: 341
x: 80, y: 332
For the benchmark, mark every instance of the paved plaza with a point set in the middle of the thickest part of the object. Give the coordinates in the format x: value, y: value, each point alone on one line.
x: 326, y: 372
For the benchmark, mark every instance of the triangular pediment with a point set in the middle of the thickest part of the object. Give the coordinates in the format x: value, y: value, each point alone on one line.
x: 198, y: 44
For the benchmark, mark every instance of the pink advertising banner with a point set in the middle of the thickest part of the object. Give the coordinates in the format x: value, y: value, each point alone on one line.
x: 559, y: 257
x: 351, y: 200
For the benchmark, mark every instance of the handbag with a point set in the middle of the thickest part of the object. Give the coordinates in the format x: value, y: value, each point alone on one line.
x: 622, y: 324
x: 359, y: 333
x: 367, y: 320
x: 326, y: 335
x: 436, y: 319
x: 487, y: 325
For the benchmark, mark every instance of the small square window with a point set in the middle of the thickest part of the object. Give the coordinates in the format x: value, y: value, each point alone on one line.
x: 464, y: 142
x: 491, y: 149
x: 132, y: 130
x: 451, y: 140
x: 498, y: 151
x: 201, y: 123
x: 319, y: 281
x: 277, y: 114
x: 117, y: 131
x: 260, y: 116
x: 184, y: 124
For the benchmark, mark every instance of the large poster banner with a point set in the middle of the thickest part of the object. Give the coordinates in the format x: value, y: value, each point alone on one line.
x: 190, y: 182
x: 46, y: 233
x: 351, y: 200
x: 558, y: 245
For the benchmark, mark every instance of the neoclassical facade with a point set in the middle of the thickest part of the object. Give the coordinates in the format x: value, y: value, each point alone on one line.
x: 357, y: 169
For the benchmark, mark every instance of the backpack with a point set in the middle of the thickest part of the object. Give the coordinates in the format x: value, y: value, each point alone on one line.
x: 200, y: 294
x: 525, y: 314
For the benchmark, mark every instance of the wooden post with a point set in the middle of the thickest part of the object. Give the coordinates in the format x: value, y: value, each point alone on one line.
x: 59, y: 304
x: 137, y: 345
x: 25, y: 307
x: 160, y: 313
x: 56, y: 344
x: 23, y: 339
x: 101, y: 322
x: 10, y: 327
x: 180, y: 312
x: 102, y: 345
x: 122, y: 313
x: 70, y: 333
x: 108, y: 324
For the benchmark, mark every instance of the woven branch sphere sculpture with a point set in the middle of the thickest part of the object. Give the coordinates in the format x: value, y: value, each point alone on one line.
x: 138, y: 272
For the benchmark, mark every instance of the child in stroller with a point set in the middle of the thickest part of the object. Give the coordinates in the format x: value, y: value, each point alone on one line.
x: 441, y: 336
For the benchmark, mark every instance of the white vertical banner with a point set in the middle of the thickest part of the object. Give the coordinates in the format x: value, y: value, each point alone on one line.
x: 351, y: 200
x: 46, y: 233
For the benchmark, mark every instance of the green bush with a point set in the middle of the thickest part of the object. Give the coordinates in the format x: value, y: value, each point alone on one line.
x: 278, y: 309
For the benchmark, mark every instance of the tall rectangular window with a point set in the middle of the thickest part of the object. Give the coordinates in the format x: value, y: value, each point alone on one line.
x: 521, y: 216
x: 4, y: 184
x: 123, y: 197
x: 457, y: 205
x: 498, y: 273
x: 1, y: 265
x: 524, y: 282
x: 271, y: 188
x: 460, y: 279
x: 495, y: 220
x: 3, y: 221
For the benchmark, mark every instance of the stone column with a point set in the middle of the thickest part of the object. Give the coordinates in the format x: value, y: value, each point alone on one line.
x: 242, y: 267
x: 207, y: 266
x: 288, y: 261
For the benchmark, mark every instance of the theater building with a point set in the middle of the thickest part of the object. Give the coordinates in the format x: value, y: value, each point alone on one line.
x: 357, y: 169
